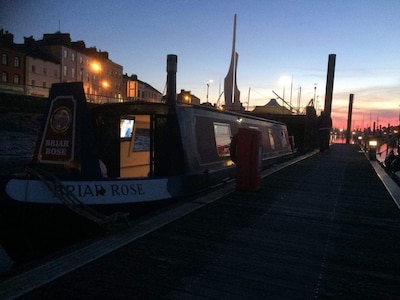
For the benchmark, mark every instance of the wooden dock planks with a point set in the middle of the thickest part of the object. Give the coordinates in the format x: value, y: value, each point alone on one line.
x: 323, y: 228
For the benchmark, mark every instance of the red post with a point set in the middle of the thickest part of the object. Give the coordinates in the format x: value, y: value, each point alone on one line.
x: 248, y: 160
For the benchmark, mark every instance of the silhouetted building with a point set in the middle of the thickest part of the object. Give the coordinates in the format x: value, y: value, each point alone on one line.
x: 272, y: 108
x: 187, y: 97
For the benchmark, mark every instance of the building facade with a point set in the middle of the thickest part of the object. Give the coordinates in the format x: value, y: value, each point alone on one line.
x: 101, y: 77
x: 187, y: 97
x: 139, y: 90
x: 32, y: 67
x: 41, y: 72
x: 12, y: 65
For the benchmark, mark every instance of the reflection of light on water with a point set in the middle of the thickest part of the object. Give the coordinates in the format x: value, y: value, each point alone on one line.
x: 339, y: 141
x: 17, y: 145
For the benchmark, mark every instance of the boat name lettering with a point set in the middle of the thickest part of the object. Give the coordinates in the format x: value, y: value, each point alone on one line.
x: 96, y: 190
x: 57, y: 143
x: 57, y: 147
x: 56, y: 151
x: 86, y: 190
x: 127, y: 189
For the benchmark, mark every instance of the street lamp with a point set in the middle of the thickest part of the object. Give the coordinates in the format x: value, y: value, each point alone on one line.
x: 95, y: 82
x: 96, y: 67
x: 105, y: 84
x: 208, y: 87
x: 315, y: 91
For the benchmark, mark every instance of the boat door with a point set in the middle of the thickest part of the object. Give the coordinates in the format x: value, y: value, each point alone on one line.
x: 135, y: 146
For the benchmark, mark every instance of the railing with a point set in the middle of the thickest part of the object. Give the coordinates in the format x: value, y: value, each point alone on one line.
x: 12, y: 88
x: 37, y: 91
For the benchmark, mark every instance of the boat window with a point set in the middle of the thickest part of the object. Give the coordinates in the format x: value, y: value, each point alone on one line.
x: 271, y: 138
x: 126, y: 128
x: 142, y: 140
x: 283, y: 138
x: 222, y: 134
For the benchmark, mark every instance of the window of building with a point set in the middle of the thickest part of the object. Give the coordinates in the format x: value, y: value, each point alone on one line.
x: 33, y: 82
x: 65, y: 54
x: 4, y: 76
x: 73, y: 56
x: 16, y: 79
x: 73, y: 72
x: 4, y: 59
x: 55, y: 73
x: 44, y: 84
x: 33, y: 68
x: 65, y: 71
x: 222, y: 134
x: 16, y: 61
x: 44, y: 71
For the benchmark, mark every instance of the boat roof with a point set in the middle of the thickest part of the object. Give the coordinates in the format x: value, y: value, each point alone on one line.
x: 134, y: 107
x: 143, y: 107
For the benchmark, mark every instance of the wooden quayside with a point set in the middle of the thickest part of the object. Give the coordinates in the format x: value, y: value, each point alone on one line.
x: 326, y: 227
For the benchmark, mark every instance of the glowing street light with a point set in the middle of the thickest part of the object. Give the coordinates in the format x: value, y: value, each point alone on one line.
x: 315, y: 92
x: 105, y: 84
x: 208, y: 87
x: 96, y: 67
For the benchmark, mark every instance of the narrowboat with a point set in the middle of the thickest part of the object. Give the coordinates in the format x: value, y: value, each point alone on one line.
x: 95, y: 161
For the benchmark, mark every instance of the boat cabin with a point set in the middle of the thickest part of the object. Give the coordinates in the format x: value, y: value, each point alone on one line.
x: 78, y: 139
x: 130, y: 136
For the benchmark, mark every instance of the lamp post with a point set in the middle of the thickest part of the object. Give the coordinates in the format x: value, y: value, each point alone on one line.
x: 315, y: 91
x: 96, y: 70
x: 208, y: 87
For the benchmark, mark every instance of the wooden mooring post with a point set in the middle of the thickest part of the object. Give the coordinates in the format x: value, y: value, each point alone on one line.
x: 348, y: 133
x: 329, y: 84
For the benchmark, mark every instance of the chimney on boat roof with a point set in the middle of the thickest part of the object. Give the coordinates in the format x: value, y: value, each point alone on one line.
x: 172, y: 63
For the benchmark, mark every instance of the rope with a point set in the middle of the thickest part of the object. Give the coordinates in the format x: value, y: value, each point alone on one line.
x: 68, y: 198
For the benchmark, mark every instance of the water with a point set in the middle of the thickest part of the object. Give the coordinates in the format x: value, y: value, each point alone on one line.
x: 18, y: 134
x: 16, y: 150
x: 5, y: 261
x: 16, y: 145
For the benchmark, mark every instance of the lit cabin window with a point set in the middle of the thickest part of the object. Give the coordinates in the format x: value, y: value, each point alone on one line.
x: 222, y: 134
x: 126, y: 128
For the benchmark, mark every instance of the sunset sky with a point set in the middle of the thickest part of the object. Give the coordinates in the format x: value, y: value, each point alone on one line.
x: 275, y: 39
